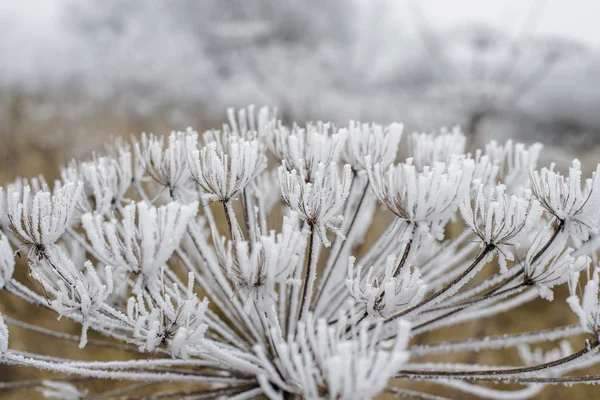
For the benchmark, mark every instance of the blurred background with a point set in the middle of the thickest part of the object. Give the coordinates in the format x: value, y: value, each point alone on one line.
x: 74, y: 73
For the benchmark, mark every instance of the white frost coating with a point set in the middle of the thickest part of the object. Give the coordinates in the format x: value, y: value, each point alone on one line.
x: 381, y: 143
x: 565, y: 199
x: 429, y: 197
x: 224, y: 170
x: 546, y: 268
x: 351, y: 368
x: 500, y: 220
x: 320, y: 201
x: 142, y: 248
x: 39, y: 219
x: 587, y: 308
x: 3, y: 337
x: 177, y: 322
x: 431, y: 148
x: 514, y: 161
x: 7, y: 261
x: 61, y: 391
x: 382, y: 293
x: 106, y: 181
x: 167, y: 165
x: 539, y: 356
x: 305, y: 149
x: 154, y: 239
x: 255, y: 268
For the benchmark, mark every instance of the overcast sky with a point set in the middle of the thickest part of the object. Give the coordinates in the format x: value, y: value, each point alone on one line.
x: 575, y: 19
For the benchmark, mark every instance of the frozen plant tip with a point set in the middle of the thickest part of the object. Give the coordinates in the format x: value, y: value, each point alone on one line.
x: 499, y: 221
x: 381, y: 143
x: 574, y: 206
x: 427, y: 198
x: 223, y: 175
x: 208, y: 262
x: 320, y: 201
x: 305, y: 149
x: 38, y: 220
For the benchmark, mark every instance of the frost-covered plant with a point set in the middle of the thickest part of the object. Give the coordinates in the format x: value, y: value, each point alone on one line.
x: 249, y: 262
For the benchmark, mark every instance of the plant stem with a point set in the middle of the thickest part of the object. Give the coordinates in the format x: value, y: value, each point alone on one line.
x: 341, y: 249
x: 458, y: 279
x: 434, y: 374
x: 311, y: 273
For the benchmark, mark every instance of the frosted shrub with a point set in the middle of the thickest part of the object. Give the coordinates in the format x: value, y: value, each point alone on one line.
x: 247, y: 262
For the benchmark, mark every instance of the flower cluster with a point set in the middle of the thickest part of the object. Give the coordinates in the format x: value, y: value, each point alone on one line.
x: 381, y: 292
x: 213, y: 256
x: 319, y: 201
x: 576, y: 207
x: 38, y: 220
x: 500, y: 221
x: 428, y: 197
x: 157, y: 320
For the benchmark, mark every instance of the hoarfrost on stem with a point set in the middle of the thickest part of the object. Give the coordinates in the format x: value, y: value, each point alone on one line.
x: 191, y: 249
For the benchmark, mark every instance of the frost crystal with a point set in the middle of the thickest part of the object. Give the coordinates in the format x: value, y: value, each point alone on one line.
x: 141, y: 248
x: 550, y: 267
x: 381, y: 143
x: 177, y: 320
x: 7, y: 261
x: 538, y: 356
x: 3, y: 336
x: 514, y: 161
x: 383, y: 295
x: 167, y: 166
x: 255, y: 268
x: 61, y: 391
x: 430, y: 148
x: 564, y: 198
x: 106, y: 181
x: 319, y: 201
x: 76, y: 292
x: 353, y: 367
x: 305, y: 149
x: 429, y: 197
x: 499, y: 220
x: 39, y: 220
x: 224, y: 174
x: 588, y: 307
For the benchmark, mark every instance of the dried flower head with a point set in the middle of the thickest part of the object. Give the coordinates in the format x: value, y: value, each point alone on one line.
x: 587, y: 308
x: 427, y: 198
x: 166, y: 165
x: 141, y: 248
x: 38, y: 220
x: 319, y: 201
x: 431, y: 148
x: 382, y: 293
x: 576, y: 207
x: 499, y: 220
x: 305, y: 149
x: 106, y: 181
x: 223, y: 170
x: 378, y: 142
